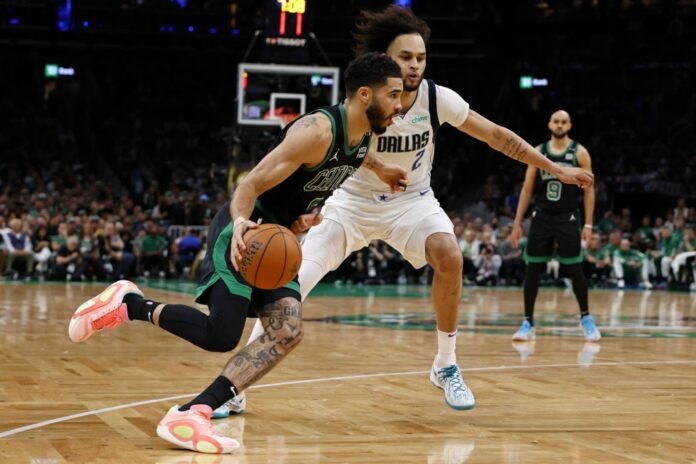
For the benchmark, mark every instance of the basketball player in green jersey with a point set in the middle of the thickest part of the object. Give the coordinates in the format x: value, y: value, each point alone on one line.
x: 555, y: 219
x: 314, y: 155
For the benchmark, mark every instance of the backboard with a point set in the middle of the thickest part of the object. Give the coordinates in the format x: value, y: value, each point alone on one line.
x: 272, y: 95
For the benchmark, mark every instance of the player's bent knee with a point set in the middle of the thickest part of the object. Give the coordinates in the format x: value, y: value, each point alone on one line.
x: 291, y: 331
x: 448, y: 261
x: 223, y: 340
x: 443, y: 253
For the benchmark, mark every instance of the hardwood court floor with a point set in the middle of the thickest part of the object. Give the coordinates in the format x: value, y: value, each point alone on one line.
x: 357, y: 390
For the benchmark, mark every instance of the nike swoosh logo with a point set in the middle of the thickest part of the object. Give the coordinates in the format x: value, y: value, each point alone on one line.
x: 452, y: 335
x: 424, y: 192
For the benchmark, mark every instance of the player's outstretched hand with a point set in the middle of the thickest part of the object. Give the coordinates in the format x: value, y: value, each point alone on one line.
x: 306, y: 221
x: 576, y: 176
x: 394, y: 176
x: 238, y: 248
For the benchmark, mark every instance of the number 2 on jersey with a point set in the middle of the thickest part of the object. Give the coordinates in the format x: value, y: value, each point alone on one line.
x: 416, y: 162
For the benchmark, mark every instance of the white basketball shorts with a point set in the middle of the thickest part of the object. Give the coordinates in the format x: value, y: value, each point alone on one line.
x: 351, y: 222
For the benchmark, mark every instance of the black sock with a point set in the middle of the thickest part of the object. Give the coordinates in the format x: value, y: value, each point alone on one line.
x: 531, y: 287
x: 574, y: 271
x: 139, y: 309
x: 215, y: 395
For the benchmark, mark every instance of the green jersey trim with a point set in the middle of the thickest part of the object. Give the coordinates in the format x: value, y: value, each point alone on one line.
x: 333, y: 142
x: 222, y: 270
x: 346, y: 143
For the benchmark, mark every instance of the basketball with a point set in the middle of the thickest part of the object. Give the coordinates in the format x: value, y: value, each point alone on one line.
x: 272, y: 258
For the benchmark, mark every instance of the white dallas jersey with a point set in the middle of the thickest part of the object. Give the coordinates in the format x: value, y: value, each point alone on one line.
x: 410, y: 143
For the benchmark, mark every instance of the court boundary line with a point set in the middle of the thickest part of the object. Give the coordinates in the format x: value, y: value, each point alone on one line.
x: 93, y: 412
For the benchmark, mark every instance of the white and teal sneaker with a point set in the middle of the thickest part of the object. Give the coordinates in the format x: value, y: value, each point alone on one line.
x: 236, y: 405
x: 589, y: 329
x: 525, y: 333
x: 457, y: 394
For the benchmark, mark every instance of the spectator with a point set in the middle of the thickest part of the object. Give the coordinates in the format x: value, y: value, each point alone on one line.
x: 42, y: 250
x: 685, y: 251
x: 470, y: 251
x: 185, y: 250
x: 112, y: 250
x: 68, y: 258
x: 489, y: 265
x: 19, y: 249
x: 153, y: 250
x: 90, y: 264
x: 647, y: 232
x: 681, y: 210
x: 630, y: 265
x: 596, y: 261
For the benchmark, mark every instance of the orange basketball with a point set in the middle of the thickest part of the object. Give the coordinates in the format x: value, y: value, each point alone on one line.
x: 272, y: 257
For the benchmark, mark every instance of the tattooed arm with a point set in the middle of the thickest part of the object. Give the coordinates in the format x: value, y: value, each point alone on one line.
x: 305, y: 143
x: 512, y: 145
x: 391, y: 174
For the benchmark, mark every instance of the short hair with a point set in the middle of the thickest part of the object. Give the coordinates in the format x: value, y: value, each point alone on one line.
x: 376, y: 30
x: 370, y: 70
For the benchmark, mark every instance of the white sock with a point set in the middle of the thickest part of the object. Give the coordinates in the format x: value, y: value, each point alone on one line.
x: 446, y: 344
x: 310, y: 275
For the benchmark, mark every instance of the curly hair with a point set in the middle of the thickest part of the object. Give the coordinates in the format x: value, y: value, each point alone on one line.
x: 376, y: 30
x: 370, y: 70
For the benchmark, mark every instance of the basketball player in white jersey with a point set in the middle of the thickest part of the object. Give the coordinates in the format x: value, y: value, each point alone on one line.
x: 411, y: 221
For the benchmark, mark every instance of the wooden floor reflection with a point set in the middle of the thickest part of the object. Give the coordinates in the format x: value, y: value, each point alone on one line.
x: 357, y: 388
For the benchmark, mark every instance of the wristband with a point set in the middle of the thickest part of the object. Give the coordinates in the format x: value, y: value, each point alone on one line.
x: 588, y: 226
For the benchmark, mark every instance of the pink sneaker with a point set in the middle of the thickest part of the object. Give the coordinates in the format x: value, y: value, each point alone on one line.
x: 105, y: 311
x: 193, y: 430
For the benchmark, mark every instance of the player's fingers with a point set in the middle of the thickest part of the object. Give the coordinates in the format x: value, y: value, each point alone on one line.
x: 235, y: 258
x: 303, y: 226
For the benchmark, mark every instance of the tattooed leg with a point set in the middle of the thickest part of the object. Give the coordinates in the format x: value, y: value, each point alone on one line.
x: 282, y: 321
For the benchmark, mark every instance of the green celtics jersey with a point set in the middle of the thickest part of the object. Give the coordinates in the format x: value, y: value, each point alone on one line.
x: 550, y: 194
x: 308, y: 188
x: 599, y: 255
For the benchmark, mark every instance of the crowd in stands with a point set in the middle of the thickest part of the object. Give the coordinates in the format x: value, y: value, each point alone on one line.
x: 60, y: 223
